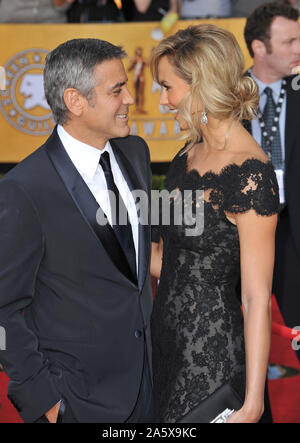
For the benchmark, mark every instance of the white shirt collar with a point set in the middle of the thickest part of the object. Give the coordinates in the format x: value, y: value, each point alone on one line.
x: 84, y: 157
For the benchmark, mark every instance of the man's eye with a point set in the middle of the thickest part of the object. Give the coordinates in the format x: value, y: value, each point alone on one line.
x: 117, y: 91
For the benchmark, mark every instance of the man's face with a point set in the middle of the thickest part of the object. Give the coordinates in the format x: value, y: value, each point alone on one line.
x: 106, y: 114
x: 285, y: 46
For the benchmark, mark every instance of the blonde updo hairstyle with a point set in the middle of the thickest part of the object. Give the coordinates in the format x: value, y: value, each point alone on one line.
x: 209, y: 59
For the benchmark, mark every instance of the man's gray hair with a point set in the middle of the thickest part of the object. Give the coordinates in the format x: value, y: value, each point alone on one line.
x: 72, y: 65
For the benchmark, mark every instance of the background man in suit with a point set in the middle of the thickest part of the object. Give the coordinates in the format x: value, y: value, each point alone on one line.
x: 75, y: 295
x: 272, y: 35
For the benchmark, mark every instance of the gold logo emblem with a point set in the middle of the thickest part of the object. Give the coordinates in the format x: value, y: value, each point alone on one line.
x: 23, y: 103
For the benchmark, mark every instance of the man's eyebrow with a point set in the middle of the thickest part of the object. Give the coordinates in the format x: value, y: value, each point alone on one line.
x: 119, y: 85
x: 289, y: 39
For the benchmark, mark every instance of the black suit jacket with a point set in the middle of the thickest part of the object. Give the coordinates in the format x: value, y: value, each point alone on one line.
x: 292, y: 157
x: 76, y: 321
x: 287, y: 260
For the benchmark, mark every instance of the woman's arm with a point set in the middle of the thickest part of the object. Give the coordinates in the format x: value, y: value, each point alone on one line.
x: 156, y: 258
x: 257, y: 248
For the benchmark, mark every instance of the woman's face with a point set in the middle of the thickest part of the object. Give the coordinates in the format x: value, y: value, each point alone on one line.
x: 174, y: 89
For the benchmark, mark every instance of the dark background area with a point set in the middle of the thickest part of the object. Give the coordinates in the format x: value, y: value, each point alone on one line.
x: 157, y: 168
x: 5, y: 167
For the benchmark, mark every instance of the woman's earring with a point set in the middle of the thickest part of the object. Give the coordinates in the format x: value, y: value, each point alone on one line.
x: 204, y: 119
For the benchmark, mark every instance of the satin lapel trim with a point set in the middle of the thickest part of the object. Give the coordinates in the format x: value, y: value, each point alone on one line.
x: 86, y: 204
x: 144, y: 230
x: 291, y: 122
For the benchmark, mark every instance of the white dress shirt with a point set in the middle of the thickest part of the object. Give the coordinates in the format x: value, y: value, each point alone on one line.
x: 86, y: 160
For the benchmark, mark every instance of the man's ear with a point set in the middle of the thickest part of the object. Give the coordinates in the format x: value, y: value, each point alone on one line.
x: 74, y: 101
x: 259, y: 48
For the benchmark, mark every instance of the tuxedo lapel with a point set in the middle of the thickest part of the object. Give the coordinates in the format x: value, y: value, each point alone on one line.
x: 125, y: 166
x: 134, y: 183
x: 291, y: 122
x: 86, y: 203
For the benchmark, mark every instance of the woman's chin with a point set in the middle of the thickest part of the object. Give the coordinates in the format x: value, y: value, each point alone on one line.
x: 182, y: 124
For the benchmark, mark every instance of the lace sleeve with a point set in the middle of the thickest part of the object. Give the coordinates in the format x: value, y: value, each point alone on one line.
x: 253, y: 185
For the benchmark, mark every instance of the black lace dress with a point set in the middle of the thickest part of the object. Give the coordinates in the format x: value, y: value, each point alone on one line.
x: 197, y: 323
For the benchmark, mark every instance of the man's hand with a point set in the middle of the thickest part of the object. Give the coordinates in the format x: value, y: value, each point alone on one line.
x: 53, y: 413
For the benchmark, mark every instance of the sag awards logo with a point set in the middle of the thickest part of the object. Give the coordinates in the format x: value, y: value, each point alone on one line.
x: 23, y: 102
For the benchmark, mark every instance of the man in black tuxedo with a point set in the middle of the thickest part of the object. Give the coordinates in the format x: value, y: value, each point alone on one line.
x: 75, y: 292
x: 272, y: 35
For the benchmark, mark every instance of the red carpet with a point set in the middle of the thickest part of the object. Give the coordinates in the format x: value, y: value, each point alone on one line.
x: 284, y: 392
x: 8, y: 414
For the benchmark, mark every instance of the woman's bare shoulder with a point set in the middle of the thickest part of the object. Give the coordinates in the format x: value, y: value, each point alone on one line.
x: 251, y: 151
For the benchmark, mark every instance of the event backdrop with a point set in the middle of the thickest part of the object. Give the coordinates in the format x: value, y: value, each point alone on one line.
x: 25, y: 117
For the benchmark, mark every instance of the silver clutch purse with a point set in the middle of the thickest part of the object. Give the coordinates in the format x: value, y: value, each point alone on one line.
x: 223, y: 417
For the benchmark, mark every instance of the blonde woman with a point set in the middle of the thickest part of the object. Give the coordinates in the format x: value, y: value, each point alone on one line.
x: 201, y: 339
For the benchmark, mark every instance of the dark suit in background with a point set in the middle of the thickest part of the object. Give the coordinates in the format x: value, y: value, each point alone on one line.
x: 272, y: 35
x: 286, y: 281
x: 267, y: 29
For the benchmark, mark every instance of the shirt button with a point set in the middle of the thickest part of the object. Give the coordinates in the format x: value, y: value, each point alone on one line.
x: 137, y: 333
